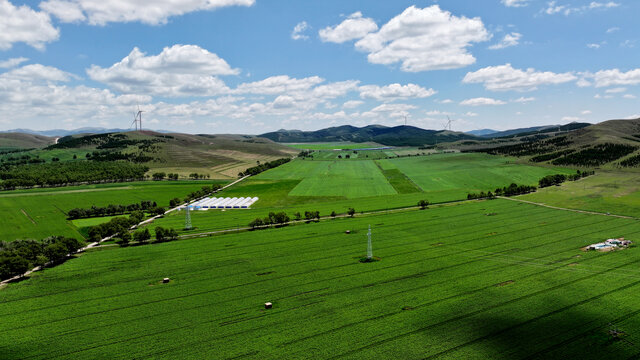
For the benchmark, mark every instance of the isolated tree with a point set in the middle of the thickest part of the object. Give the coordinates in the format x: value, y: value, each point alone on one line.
x: 423, y: 204
x: 333, y: 214
x: 297, y: 215
x: 351, y: 212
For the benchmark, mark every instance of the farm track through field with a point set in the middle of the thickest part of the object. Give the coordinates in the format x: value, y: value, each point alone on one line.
x: 362, y: 301
x: 28, y: 217
x: 572, y: 210
x: 262, y: 327
x: 321, y: 249
x: 286, y: 265
x: 37, y: 268
x: 307, y: 288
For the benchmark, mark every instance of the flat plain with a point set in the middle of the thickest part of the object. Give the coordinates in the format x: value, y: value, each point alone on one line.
x: 483, y: 279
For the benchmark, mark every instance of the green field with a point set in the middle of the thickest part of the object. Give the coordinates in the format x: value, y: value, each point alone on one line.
x: 333, y: 146
x: 365, y: 185
x: 490, y: 279
x: 616, y: 192
x: 470, y: 172
x: 40, y: 213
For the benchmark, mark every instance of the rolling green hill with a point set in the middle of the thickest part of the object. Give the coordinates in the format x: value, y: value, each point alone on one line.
x: 219, y: 156
x: 613, y: 144
x: 392, y: 136
x: 10, y: 141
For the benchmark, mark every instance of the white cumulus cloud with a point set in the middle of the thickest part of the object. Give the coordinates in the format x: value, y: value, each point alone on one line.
x: 615, y: 77
x: 509, y: 40
x: 515, y: 3
x: 180, y: 70
x: 279, y: 84
x: 13, y: 62
x: 298, y: 31
x: 394, y: 91
x: 354, y: 27
x: 101, y: 12
x: 505, y: 77
x: 424, y: 39
x: 480, y: 101
x: 23, y: 24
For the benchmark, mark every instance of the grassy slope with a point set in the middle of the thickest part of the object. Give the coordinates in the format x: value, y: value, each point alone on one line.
x: 607, y: 191
x: 40, y: 213
x: 459, y: 174
x: 221, y: 156
x: 452, y: 282
x: 23, y: 141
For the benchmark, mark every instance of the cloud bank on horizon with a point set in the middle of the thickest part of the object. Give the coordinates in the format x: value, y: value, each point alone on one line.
x: 251, y: 66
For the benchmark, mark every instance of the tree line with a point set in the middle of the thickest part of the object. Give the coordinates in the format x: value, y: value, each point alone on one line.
x: 255, y: 170
x: 281, y: 218
x: 558, y: 179
x: 511, y: 190
x: 17, y: 257
x: 143, y: 236
x: 110, y: 210
x: 67, y: 173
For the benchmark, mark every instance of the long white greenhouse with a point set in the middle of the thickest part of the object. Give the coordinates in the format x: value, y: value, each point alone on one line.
x: 223, y: 203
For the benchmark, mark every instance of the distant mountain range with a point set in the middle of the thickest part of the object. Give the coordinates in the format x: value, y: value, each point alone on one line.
x: 392, y: 136
x: 482, y: 132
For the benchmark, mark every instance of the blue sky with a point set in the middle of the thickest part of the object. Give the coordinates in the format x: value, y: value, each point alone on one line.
x: 252, y: 66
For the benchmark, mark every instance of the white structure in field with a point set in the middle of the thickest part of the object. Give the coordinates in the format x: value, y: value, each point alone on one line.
x: 223, y: 203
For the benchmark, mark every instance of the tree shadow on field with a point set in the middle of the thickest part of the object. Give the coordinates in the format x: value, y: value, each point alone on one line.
x: 564, y: 332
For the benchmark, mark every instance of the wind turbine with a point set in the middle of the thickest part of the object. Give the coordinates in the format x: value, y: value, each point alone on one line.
x: 137, y: 119
x: 448, y: 124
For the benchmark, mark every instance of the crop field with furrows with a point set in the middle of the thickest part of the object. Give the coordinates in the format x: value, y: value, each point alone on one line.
x: 617, y: 192
x: 485, y: 279
x: 342, y: 178
x: 40, y: 213
x: 471, y: 172
x: 348, y: 179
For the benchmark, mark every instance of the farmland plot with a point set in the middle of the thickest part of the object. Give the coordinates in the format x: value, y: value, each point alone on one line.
x: 492, y: 279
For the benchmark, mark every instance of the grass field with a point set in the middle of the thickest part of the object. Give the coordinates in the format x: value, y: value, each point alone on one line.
x: 365, y: 185
x: 453, y: 283
x: 39, y: 213
x: 470, y: 172
x: 349, y: 179
x: 616, y: 192
x: 333, y: 146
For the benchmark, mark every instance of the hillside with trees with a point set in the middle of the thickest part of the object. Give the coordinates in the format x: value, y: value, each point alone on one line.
x: 614, y: 143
